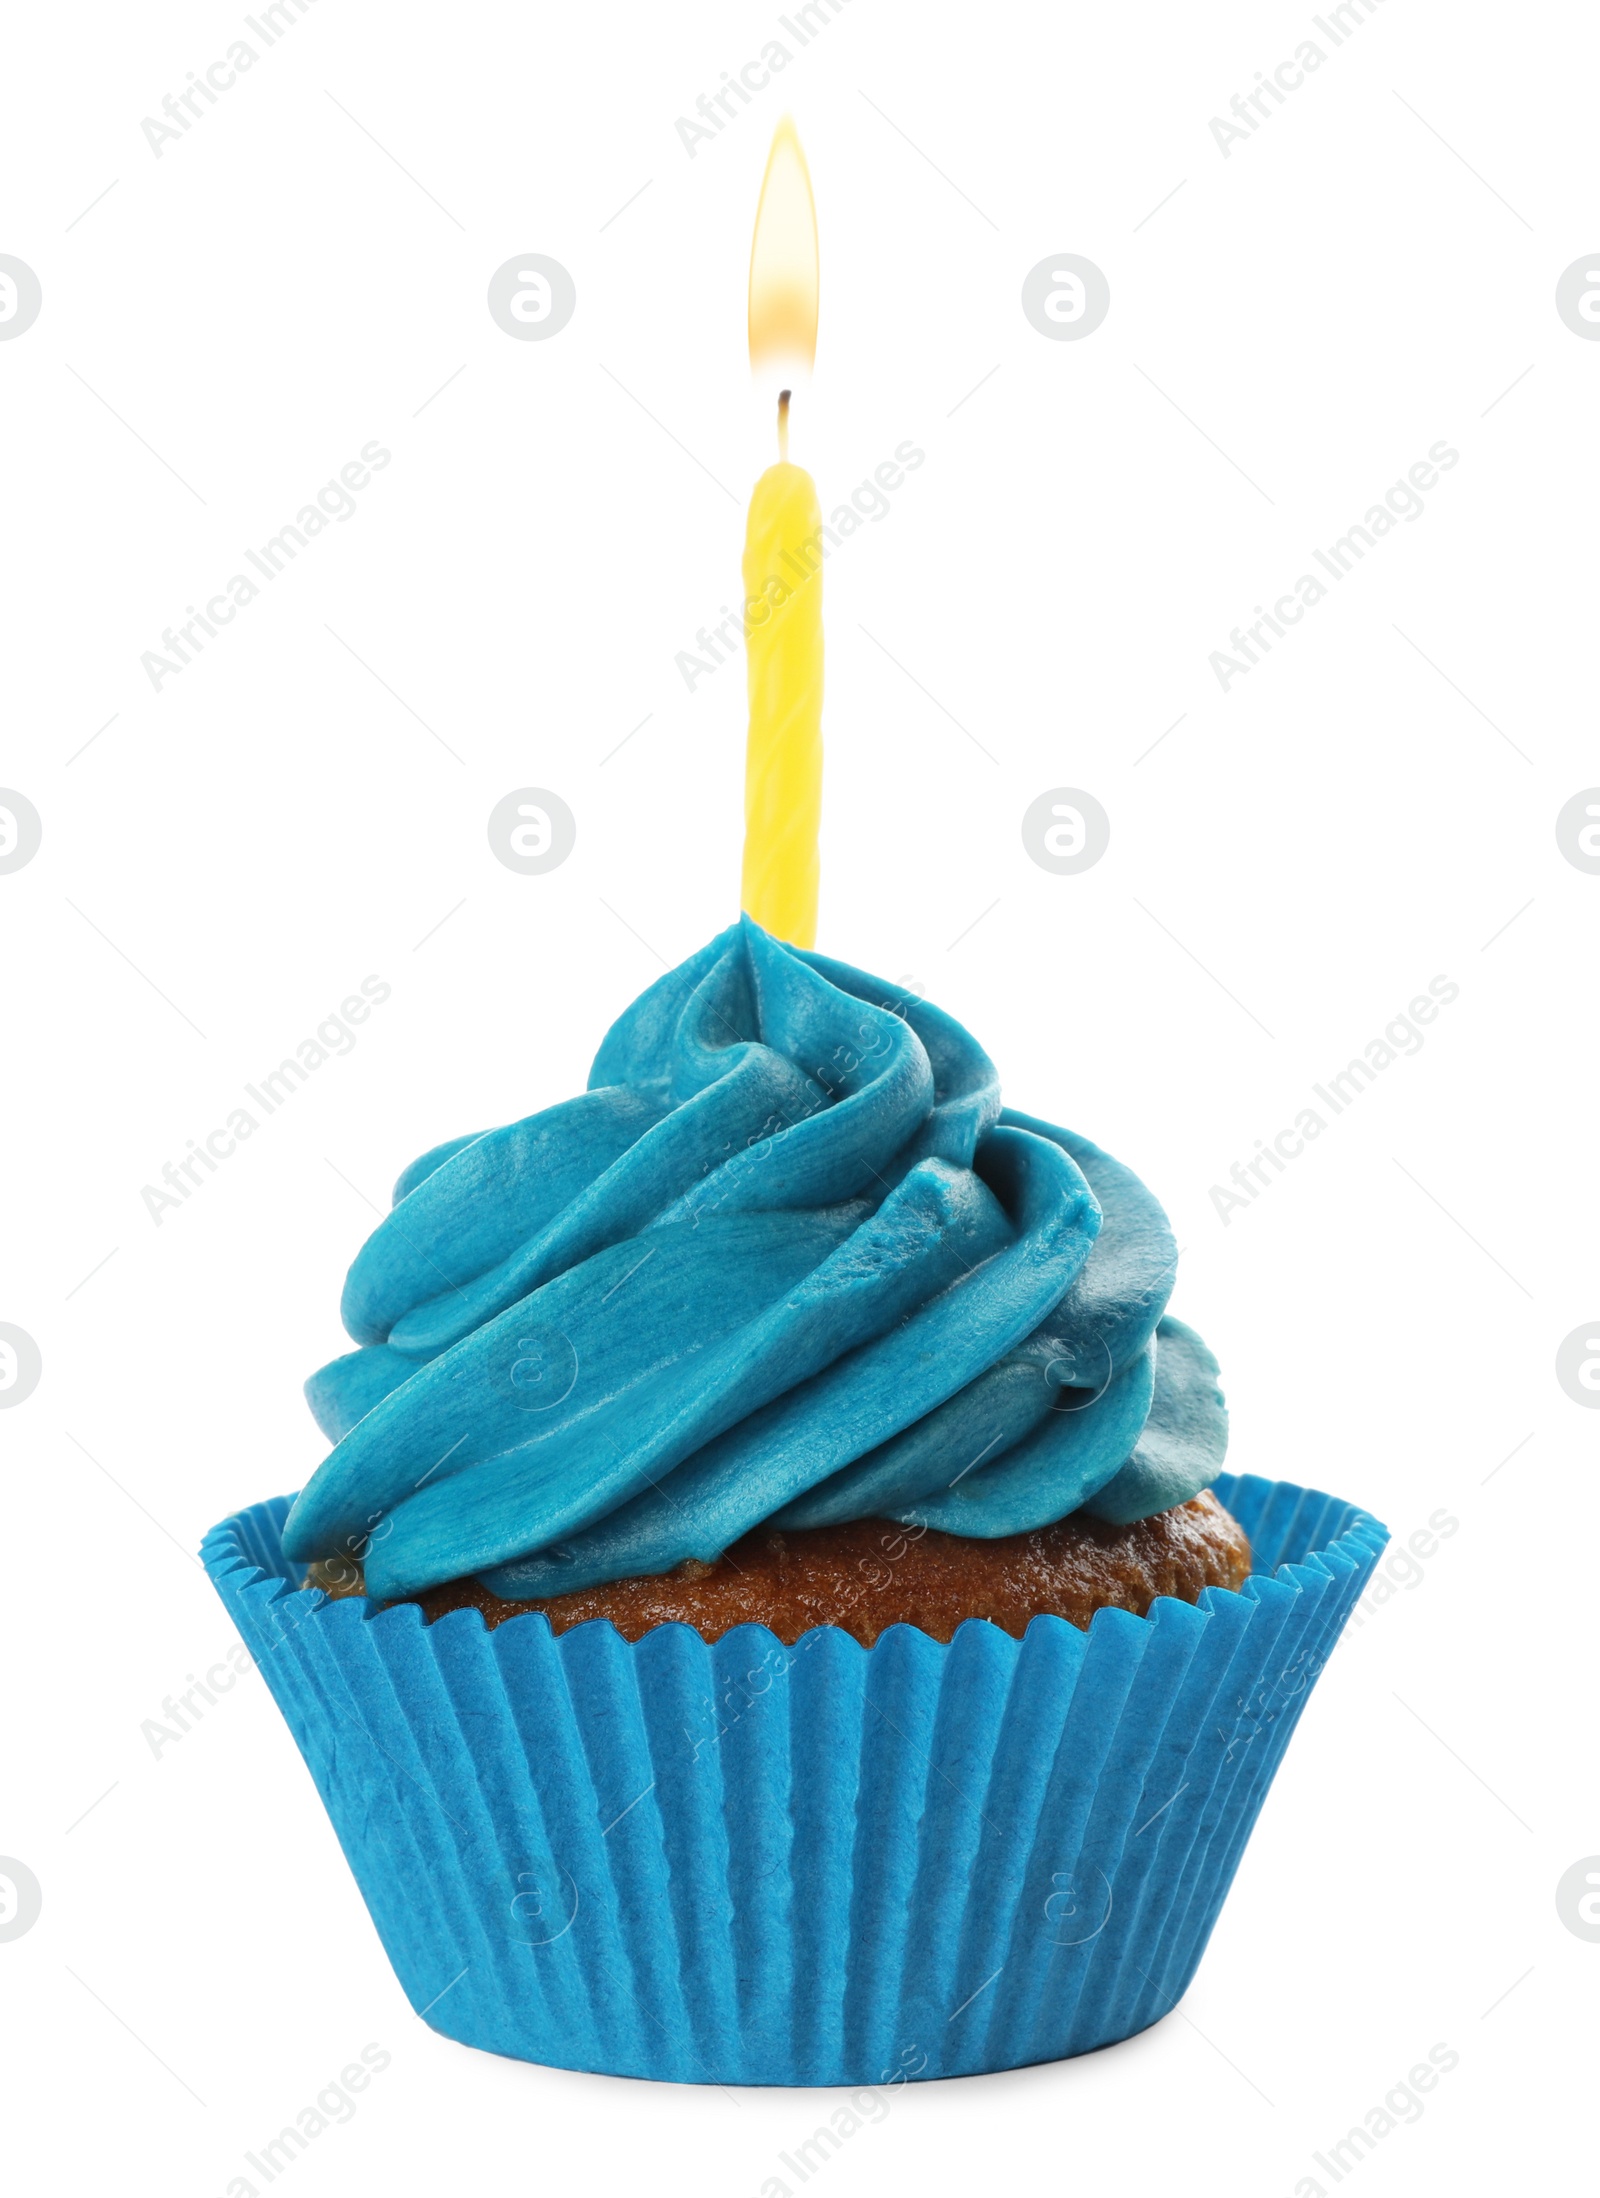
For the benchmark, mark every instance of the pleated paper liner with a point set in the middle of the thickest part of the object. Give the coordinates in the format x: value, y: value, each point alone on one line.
x: 749, y: 1864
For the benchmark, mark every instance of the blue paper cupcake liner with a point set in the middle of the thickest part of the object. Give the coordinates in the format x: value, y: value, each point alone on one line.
x: 742, y: 1863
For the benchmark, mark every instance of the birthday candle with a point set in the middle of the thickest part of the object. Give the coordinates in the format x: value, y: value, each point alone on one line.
x: 783, y: 578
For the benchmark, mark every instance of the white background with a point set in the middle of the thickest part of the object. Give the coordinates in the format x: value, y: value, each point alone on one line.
x: 1372, y: 806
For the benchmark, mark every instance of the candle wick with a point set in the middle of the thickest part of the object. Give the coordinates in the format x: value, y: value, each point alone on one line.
x: 783, y: 426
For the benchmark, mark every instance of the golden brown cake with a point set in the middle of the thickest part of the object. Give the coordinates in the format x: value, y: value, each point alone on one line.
x: 872, y: 1574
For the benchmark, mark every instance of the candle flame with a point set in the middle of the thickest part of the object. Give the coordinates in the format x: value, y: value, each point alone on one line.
x: 783, y: 258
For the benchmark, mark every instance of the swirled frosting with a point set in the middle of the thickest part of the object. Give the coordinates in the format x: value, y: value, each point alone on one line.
x: 786, y: 1259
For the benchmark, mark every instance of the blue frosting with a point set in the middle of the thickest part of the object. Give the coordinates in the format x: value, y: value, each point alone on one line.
x: 787, y: 1258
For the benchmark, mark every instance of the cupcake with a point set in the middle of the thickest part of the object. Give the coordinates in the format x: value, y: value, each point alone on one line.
x: 773, y: 1611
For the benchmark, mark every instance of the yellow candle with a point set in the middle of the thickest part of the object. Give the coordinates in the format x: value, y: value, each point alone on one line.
x: 783, y: 579
x: 783, y: 757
